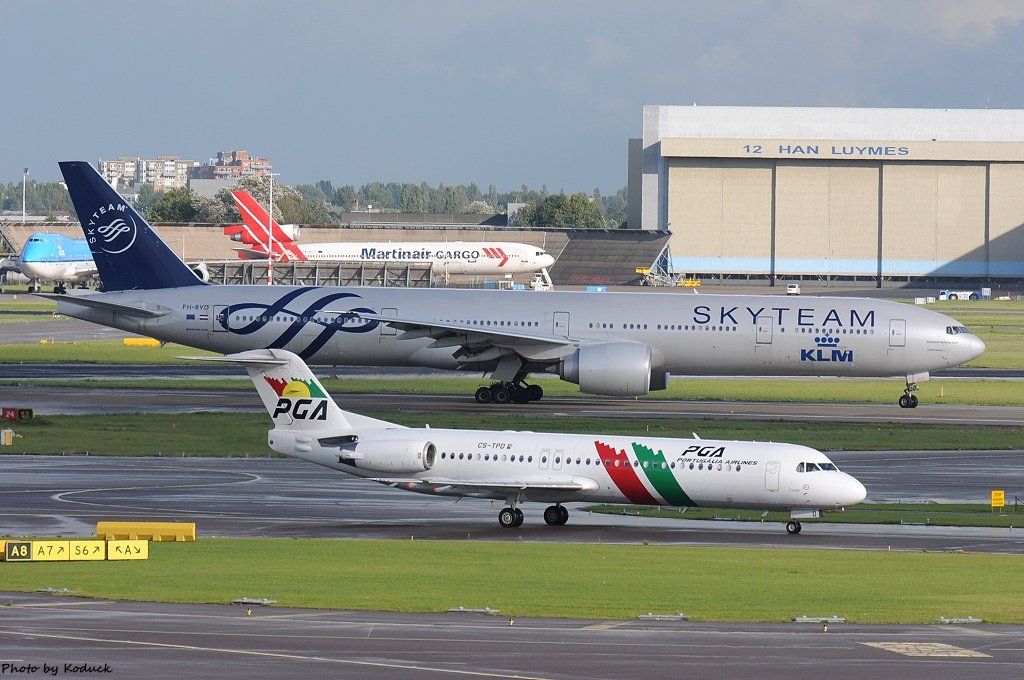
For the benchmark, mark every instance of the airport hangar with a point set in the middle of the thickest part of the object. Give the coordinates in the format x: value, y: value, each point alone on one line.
x: 883, y: 195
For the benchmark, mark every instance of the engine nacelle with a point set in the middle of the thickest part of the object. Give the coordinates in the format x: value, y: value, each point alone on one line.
x: 397, y: 456
x: 238, y: 232
x: 202, y: 271
x: 617, y: 368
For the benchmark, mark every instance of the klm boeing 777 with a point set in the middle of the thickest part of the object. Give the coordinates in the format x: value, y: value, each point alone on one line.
x: 623, y: 344
x: 515, y: 467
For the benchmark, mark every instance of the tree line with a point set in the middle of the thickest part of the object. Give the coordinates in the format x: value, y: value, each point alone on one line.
x: 321, y: 203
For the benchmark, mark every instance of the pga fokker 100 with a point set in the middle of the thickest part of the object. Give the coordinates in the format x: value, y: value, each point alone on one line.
x: 516, y: 467
x: 623, y: 344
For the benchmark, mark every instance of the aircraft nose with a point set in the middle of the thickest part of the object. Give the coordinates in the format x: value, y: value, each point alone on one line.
x: 975, y: 346
x: 546, y: 260
x: 851, y: 491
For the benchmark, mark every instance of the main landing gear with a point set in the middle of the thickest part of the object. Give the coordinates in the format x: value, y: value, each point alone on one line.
x: 505, y: 392
x: 793, y: 527
x: 512, y: 517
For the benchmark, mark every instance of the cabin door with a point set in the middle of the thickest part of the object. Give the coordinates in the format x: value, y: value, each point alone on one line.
x: 771, y: 475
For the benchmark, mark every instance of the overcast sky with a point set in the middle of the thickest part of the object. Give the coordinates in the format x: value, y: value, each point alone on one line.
x: 509, y: 93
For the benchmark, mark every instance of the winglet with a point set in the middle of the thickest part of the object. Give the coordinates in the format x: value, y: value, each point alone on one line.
x: 128, y: 253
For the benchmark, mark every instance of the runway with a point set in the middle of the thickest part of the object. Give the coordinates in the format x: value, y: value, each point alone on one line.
x: 273, y: 497
x: 157, y: 641
x: 52, y: 400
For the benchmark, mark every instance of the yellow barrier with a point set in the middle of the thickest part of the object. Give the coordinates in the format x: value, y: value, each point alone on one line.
x: 127, y: 550
x: 141, y: 342
x: 153, y: 531
x: 50, y: 551
x: 87, y: 550
x: 3, y: 549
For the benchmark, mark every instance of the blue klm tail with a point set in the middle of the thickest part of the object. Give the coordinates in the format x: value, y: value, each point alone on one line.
x: 128, y: 253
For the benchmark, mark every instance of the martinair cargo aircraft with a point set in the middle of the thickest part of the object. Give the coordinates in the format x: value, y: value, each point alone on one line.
x: 621, y: 344
x: 515, y: 467
x: 445, y: 257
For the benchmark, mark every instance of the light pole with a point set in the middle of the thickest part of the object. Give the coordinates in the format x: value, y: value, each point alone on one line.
x: 270, y: 232
x: 24, y: 183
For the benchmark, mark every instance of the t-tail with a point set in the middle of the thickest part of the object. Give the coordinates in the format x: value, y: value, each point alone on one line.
x: 304, y: 414
x: 128, y: 253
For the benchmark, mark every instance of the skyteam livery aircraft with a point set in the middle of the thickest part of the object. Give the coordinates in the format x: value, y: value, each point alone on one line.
x: 444, y: 257
x: 621, y: 344
x: 515, y: 467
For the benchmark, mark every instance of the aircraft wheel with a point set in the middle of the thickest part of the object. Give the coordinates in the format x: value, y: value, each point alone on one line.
x: 502, y: 395
x: 552, y: 515
x: 520, y: 396
x: 534, y: 392
x: 519, y: 518
x: 905, y: 401
x: 484, y: 395
x: 507, y: 518
x: 913, y: 401
x: 793, y: 527
x: 563, y: 514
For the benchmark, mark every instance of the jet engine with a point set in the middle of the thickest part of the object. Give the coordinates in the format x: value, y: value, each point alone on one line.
x: 201, y: 271
x: 619, y: 368
x: 238, y: 232
x: 402, y: 457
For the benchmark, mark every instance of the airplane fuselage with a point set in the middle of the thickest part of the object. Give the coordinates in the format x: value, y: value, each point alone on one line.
x: 54, y: 257
x: 609, y: 469
x: 444, y: 257
x: 687, y: 334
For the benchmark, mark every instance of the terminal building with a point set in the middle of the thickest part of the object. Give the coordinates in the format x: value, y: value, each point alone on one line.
x: 833, y: 193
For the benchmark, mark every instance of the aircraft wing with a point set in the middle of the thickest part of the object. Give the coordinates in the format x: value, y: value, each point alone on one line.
x: 89, y: 301
x: 488, y: 486
x: 475, y: 341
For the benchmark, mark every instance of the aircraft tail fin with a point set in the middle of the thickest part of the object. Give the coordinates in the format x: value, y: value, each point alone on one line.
x: 293, y: 396
x: 128, y: 253
x: 258, y: 225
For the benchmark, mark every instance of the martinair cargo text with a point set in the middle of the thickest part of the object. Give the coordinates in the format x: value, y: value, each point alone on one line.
x: 445, y: 257
x: 516, y: 467
x: 621, y: 344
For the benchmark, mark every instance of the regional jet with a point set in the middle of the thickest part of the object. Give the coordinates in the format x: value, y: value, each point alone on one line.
x: 444, y: 257
x: 515, y: 467
x: 621, y: 344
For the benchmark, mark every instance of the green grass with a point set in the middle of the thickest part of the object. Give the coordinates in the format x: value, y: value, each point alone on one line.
x: 96, y: 352
x: 244, y: 434
x: 931, y: 514
x: 555, y: 580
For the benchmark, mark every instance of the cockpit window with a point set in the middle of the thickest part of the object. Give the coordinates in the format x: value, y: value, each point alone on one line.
x: 828, y: 466
x: 956, y: 330
x: 814, y: 467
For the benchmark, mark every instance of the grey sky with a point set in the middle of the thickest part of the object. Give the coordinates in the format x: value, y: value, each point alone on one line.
x: 507, y: 93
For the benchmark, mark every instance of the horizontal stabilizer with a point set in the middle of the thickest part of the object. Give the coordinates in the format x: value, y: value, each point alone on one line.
x: 89, y: 301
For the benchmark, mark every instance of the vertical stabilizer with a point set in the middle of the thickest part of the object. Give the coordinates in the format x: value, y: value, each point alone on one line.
x: 294, y: 397
x: 128, y: 253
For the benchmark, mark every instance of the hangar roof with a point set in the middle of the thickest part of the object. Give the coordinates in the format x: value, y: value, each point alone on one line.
x: 736, y: 122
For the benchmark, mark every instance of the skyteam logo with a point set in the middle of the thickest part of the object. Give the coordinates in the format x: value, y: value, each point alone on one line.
x: 112, y: 228
x: 827, y: 350
x: 249, y: 317
x: 300, y: 399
